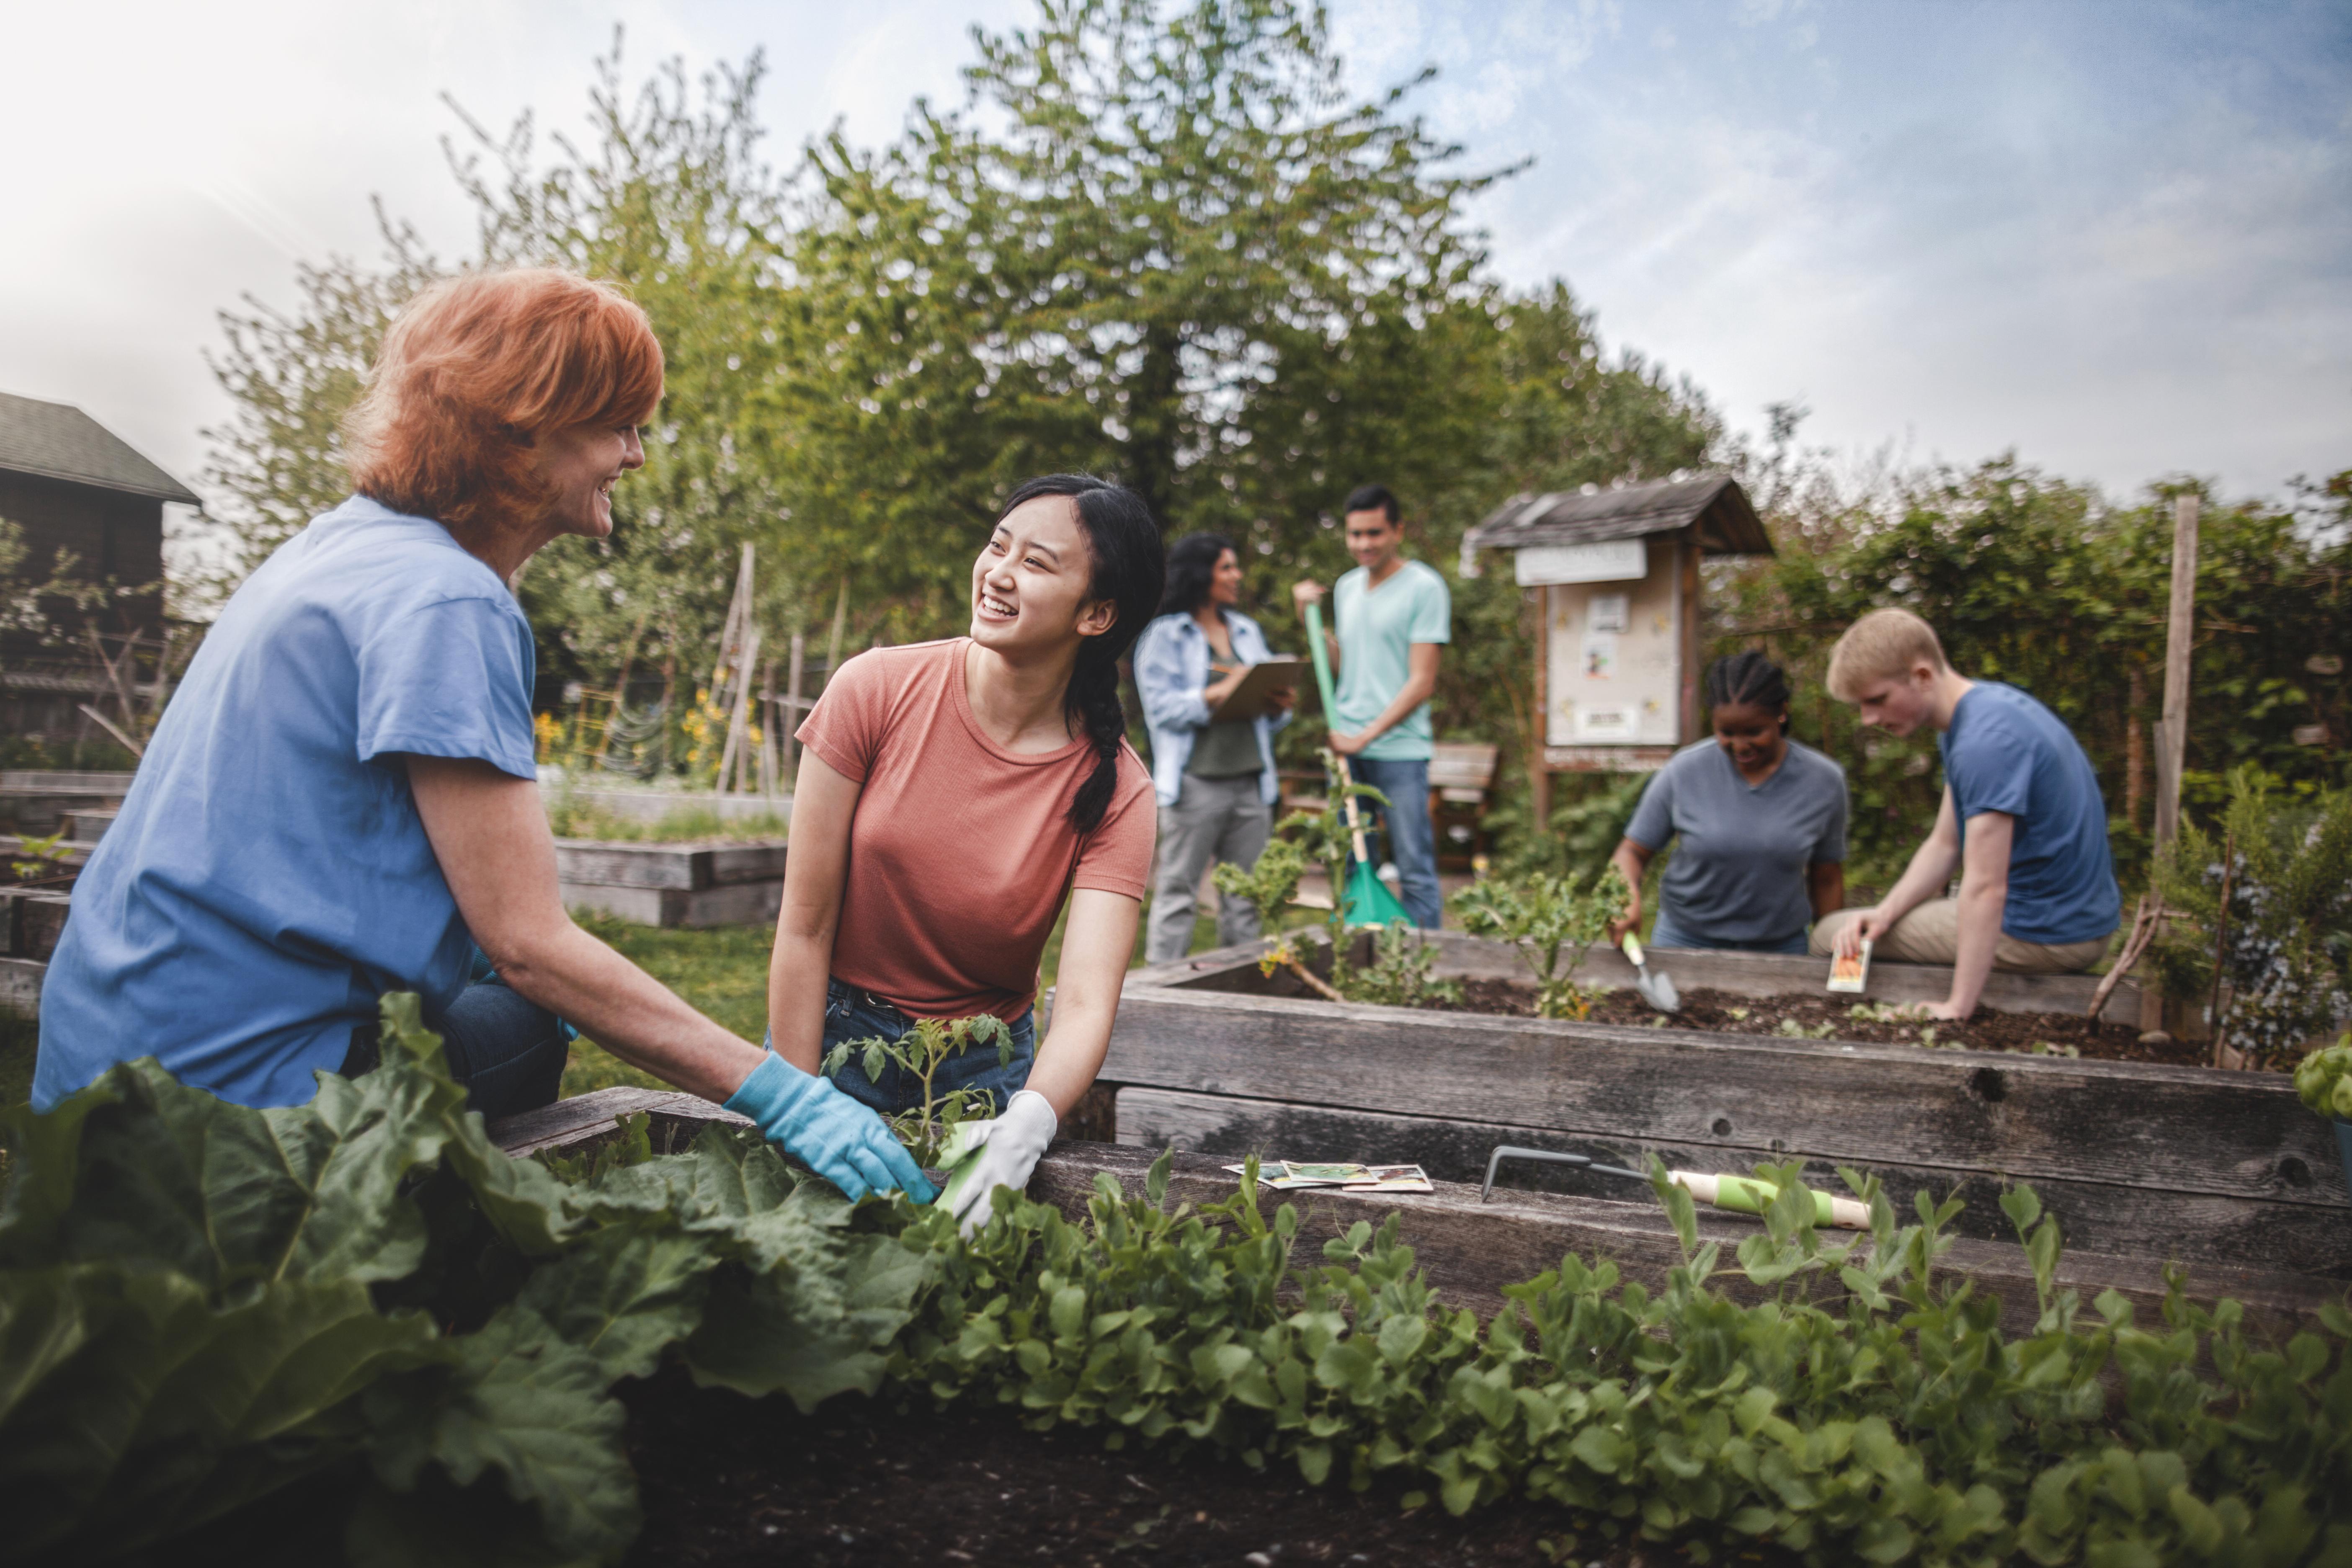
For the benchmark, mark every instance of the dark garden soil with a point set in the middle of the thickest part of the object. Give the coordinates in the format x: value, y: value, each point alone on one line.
x: 730, y: 1481
x: 1840, y: 1017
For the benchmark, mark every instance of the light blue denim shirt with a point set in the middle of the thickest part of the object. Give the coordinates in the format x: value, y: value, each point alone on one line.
x: 1171, y: 671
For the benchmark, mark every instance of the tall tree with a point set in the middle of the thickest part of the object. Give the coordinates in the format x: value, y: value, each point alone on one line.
x: 1162, y: 243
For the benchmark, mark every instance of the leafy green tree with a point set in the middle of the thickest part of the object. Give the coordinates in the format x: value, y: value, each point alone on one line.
x: 1164, y: 244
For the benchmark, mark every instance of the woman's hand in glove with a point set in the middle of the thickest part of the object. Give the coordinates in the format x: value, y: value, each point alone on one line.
x: 1009, y: 1146
x: 844, y: 1142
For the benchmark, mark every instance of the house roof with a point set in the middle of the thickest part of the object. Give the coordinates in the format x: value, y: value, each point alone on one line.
x: 58, y: 441
x: 1728, y: 523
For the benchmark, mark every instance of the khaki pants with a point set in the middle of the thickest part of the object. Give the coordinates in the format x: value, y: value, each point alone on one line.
x: 1931, y: 934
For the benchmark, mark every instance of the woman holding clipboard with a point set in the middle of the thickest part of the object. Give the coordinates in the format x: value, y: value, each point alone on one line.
x: 1213, y: 774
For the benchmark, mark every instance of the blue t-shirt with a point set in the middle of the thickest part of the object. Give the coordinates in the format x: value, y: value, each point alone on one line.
x: 269, y: 877
x: 2007, y: 753
x: 1377, y: 630
x: 1740, y: 875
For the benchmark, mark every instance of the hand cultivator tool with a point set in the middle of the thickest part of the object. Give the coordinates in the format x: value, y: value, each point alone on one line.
x: 1367, y: 900
x: 1742, y: 1194
x: 1657, y: 990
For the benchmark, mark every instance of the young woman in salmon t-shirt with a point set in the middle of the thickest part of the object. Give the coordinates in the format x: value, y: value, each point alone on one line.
x: 950, y: 795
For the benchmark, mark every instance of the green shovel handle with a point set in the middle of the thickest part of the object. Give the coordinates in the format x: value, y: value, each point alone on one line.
x: 1322, y: 659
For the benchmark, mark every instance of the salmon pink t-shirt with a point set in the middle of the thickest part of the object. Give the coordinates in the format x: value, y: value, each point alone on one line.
x: 960, y: 851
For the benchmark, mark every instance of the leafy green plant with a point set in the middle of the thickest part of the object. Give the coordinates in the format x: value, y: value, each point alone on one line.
x: 2324, y: 1080
x: 2272, y: 902
x: 1398, y: 973
x: 1839, y: 1400
x: 1401, y: 960
x: 1548, y: 918
x: 922, y: 1051
x: 41, y: 856
x: 202, y: 1304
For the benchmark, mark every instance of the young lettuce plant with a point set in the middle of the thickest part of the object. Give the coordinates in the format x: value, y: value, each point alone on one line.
x: 1548, y: 918
x: 922, y: 1051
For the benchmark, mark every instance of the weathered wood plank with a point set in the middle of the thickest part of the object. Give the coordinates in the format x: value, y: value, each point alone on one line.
x: 40, y: 921
x: 1460, y: 957
x: 621, y: 864
x: 740, y: 903
x: 2183, y: 1128
x: 20, y: 985
x: 586, y: 1118
x: 1469, y: 1249
x: 2125, y: 1221
x: 760, y: 862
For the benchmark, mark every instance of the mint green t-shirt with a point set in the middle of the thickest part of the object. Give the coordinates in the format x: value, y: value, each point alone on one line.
x: 1377, y: 627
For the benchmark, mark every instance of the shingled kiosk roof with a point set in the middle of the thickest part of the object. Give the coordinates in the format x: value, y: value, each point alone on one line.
x: 58, y: 441
x: 1728, y: 524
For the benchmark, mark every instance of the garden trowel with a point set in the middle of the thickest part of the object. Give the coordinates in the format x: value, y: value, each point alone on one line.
x: 1366, y: 900
x: 1657, y: 990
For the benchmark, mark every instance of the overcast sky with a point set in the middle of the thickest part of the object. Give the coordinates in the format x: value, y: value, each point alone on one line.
x: 2116, y: 236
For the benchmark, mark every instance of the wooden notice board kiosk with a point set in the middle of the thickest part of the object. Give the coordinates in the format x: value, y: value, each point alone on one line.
x: 1613, y: 575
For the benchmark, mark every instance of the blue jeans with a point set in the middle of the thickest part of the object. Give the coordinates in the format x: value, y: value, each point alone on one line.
x: 1666, y: 934
x: 854, y: 1014
x: 1412, y: 841
x: 509, y: 1052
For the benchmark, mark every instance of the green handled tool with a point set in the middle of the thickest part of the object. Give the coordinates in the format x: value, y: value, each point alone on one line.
x: 1744, y: 1195
x: 1368, y: 902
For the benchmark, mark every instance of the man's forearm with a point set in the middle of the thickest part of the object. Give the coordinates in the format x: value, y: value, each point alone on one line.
x: 1409, y: 696
x: 627, y: 1011
x: 1982, y: 905
x: 1930, y: 868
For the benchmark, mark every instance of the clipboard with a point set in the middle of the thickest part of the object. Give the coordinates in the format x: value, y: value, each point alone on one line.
x: 1248, y: 700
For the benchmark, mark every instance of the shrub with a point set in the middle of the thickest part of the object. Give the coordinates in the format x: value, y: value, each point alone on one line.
x: 2284, y: 935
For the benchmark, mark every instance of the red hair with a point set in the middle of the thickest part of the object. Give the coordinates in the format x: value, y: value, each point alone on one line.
x: 475, y: 370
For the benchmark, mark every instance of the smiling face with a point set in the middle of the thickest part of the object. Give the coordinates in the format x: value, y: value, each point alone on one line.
x: 580, y: 466
x: 1372, y: 539
x: 1750, y: 733
x: 1225, y: 582
x: 1897, y: 704
x: 1030, y: 586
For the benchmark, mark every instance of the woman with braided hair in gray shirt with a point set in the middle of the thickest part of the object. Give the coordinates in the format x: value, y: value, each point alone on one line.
x: 1761, y: 821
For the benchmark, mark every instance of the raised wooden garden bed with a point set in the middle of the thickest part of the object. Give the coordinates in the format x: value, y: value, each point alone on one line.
x: 39, y: 801
x: 2149, y: 1163
x: 1470, y: 1249
x: 713, y: 884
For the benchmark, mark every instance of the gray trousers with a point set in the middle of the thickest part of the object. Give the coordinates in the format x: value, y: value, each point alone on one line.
x: 1214, y: 819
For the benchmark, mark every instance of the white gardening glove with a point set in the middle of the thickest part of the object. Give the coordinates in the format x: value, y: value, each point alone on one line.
x: 1008, y: 1148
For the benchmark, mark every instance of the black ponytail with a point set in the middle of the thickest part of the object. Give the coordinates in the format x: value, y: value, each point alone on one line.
x: 1748, y: 679
x: 1128, y: 567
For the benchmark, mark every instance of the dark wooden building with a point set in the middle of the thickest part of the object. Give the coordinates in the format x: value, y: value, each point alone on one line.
x: 75, y: 490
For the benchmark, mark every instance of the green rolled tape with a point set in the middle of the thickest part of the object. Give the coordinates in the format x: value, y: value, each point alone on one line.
x: 959, y: 1163
x: 1750, y: 1197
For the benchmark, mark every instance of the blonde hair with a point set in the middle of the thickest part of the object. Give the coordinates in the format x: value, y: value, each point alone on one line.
x: 1884, y: 645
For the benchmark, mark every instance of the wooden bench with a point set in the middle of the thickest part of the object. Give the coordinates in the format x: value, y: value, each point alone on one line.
x: 1470, y: 1249
x: 1460, y: 774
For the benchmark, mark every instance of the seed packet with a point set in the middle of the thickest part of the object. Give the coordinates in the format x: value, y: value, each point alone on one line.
x: 1852, y: 973
x: 1288, y: 1175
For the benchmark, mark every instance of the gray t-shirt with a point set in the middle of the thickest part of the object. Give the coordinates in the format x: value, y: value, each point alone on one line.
x: 1740, y: 876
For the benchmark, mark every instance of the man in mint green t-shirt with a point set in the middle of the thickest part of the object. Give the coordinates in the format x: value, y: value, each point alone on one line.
x: 1392, y: 616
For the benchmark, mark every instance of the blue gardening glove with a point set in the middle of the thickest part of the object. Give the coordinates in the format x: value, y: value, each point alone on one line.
x: 840, y: 1140
x: 1006, y: 1149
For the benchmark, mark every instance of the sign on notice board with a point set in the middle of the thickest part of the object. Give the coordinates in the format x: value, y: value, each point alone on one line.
x: 1608, y: 561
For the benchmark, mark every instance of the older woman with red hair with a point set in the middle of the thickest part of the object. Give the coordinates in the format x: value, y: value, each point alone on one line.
x: 342, y: 800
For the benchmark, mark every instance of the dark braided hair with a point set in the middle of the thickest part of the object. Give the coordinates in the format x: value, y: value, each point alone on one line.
x: 1127, y: 566
x: 1748, y: 679
x: 1193, y: 570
